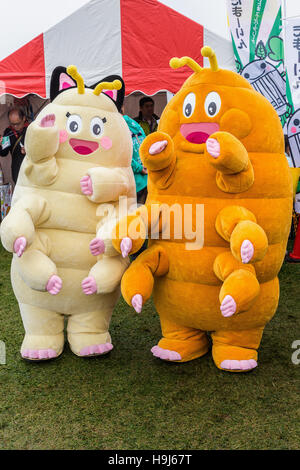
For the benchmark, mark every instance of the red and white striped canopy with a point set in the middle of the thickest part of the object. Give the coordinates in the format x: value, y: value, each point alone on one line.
x: 132, y: 38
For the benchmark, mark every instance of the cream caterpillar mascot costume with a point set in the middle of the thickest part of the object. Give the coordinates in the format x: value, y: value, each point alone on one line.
x: 77, y: 167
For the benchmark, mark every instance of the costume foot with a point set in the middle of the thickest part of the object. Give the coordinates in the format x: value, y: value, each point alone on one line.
x: 19, y: 246
x: 165, y: 354
x: 231, y: 364
x: 86, y: 185
x: 97, y: 246
x: 38, y: 354
x: 228, y: 306
x: 89, y: 285
x: 54, y: 285
x: 247, y: 251
x: 213, y: 147
x: 96, y: 350
x: 158, y: 147
x: 126, y: 246
x: 137, y: 302
x: 233, y: 358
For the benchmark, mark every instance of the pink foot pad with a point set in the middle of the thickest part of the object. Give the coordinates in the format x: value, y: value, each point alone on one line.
x: 38, y: 354
x: 231, y: 364
x: 228, y: 306
x: 19, y: 246
x: 213, y: 147
x: 126, y: 246
x: 247, y: 251
x: 96, y: 349
x: 158, y: 147
x: 54, y: 285
x: 97, y: 246
x: 86, y: 185
x: 48, y: 121
x: 165, y: 354
x: 137, y: 302
x: 89, y: 285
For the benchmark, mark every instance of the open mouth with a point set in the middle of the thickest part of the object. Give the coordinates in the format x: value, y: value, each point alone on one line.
x: 83, y: 147
x: 199, y: 132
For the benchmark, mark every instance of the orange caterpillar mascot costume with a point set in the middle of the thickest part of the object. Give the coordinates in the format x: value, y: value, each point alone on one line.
x: 220, y: 145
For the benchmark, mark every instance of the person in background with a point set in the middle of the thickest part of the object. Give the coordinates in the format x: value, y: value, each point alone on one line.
x: 139, y: 171
x: 146, y: 118
x: 13, y: 138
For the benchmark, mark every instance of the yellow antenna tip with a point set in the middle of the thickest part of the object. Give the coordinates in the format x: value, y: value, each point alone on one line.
x: 117, y: 84
x: 72, y: 70
x: 207, y: 51
x: 175, y: 63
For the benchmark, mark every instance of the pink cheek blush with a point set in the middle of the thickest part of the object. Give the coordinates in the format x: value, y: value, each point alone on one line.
x: 106, y: 143
x: 63, y: 136
x: 293, y: 129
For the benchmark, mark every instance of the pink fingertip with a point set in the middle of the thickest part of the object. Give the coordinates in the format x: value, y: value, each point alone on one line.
x: 48, y: 120
x: 137, y: 302
x: 97, y: 246
x: 126, y: 246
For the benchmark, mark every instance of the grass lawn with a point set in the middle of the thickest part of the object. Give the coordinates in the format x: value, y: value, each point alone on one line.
x: 130, y: 400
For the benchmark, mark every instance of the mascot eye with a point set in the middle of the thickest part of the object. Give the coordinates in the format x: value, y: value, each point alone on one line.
x: 263, y: 65
x: 74, y: 123
x: 189, y: 105
x: 97, y: 126
x: 212, y: 104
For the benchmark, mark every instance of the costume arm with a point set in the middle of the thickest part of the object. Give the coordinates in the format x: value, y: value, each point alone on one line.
x: 130, y: 233
x: 158, y: 156
x: 41, y: 145
x: 24, y: 216
x: 248, y: 241
x: 137, y: 282
x: 103, y: 184
x: 230, y: 158
x: 107, y: 273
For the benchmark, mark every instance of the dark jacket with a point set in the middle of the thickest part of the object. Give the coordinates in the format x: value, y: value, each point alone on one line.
x: 148, y: 129
x: 16, y: 157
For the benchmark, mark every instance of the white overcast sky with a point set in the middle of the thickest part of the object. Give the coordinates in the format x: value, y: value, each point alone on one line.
x: 22, y: 20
